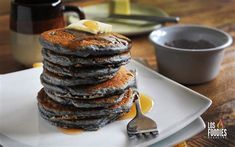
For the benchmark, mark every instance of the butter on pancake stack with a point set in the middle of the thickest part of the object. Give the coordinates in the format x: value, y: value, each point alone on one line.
x: 85, y: 84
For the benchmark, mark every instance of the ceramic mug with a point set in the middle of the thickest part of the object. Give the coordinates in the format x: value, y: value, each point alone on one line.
x: 28, y: 19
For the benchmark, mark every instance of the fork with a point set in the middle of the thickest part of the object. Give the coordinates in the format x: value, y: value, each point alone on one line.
x: 141, y: 124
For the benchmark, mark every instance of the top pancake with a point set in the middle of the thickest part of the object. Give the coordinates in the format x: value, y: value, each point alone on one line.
x: 84, y: 44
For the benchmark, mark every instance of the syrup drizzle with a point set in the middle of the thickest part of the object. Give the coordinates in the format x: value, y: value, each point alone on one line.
x: 146, y: 103
x: 70, y: 131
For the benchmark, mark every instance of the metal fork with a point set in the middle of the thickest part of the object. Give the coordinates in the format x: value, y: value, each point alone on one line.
x: 141, y: 124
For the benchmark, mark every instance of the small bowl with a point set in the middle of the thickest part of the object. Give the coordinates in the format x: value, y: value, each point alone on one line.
x: 190, y: 66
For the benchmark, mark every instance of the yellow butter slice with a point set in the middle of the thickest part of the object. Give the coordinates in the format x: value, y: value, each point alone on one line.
x: 91, y: 26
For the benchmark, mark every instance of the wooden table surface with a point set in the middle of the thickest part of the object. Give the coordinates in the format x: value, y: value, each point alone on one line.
x: 219, y: 14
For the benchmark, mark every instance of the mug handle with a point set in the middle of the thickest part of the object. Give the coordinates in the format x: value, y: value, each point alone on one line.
x: 78, y: 10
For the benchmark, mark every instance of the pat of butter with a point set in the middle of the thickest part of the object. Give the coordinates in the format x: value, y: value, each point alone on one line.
x: 91, y: 26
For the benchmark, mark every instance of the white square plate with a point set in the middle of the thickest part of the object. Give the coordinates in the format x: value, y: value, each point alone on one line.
x: 175, y: 107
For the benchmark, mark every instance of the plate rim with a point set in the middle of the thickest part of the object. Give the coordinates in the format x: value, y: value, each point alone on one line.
x: 185, y: 121
x: 198, y: 120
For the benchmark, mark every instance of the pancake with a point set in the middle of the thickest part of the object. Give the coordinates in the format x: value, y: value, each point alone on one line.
x: 50, y: 107
x: 91, y: 124
x: 82, y: 44
x: 81, y: 72
x: 56, y: 79
x: 71, y: 60
x: 117, y: 85
x: 89, y: 103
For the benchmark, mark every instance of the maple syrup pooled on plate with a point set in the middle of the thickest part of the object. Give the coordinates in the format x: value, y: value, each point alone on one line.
x: 146, y: 103
x: 70, y: 131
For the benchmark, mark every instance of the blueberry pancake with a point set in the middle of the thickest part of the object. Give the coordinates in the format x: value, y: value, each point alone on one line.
x: 91, y: 124
x: 52, y: 107
x: 57, y: 79
x: 73, y: 60
x: 118, y: 84
x: 80, y: 72
x: 83, y: 44
x: 103, y: 102
x: 86, y: 118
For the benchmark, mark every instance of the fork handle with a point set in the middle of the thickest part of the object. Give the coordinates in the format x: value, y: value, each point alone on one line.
x: 137, y: 104
x: 157, y: 19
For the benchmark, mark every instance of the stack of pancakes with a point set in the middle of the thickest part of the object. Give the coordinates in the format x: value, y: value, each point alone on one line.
x: 85, y: 84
